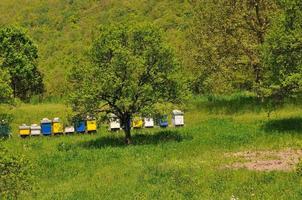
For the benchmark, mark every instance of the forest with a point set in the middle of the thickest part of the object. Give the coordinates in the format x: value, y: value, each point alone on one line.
x: 233, y: 67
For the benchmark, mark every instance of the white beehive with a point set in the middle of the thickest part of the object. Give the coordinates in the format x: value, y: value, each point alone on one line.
x: 114, y: 123
x: 177, y: 118
x: 35, y: 130
x: 149, y: 122
x: 69, y: 129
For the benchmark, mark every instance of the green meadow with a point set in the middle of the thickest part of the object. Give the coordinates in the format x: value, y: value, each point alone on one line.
x: 224, y: 63
x: 174, y: 163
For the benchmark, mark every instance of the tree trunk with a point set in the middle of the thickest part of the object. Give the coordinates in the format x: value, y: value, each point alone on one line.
x: 128, y: 137
x: 257, y: 72
x: 14, y: 82
x: 127, y: 128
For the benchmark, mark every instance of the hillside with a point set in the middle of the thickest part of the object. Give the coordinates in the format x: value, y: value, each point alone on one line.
x: 239, y: 89
x: 63, y: 30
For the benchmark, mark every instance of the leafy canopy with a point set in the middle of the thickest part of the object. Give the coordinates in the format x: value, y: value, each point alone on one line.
x: 5, y: 88
x: 227, y: 36
x: 62, y: 29
x: 282, y: 53
x: 131, y: 70
x: 18, y: 55
x: 5, y: 98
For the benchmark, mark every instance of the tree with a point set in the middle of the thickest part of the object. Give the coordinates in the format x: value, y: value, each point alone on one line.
x: 227, y: 36
x: 18, y: 55
x: 5, y: 98
x: 5, y: 89
x: 131, y: 70
x: 282, y: 54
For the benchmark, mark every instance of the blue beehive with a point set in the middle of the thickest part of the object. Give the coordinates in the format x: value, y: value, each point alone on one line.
x: 46, y: 128
x: 4, y: 129
x: 80, y: 126
x: 163, y: 121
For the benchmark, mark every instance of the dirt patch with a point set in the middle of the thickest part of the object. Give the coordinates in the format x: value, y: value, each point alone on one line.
x: 284, y: 160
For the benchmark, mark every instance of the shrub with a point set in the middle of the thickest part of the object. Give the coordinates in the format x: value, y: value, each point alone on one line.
x: 5, y: 129
x: 299, y: 168
x: 15, y: 175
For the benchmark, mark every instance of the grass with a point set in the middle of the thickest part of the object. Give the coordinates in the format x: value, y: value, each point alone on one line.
x: 182, y: 163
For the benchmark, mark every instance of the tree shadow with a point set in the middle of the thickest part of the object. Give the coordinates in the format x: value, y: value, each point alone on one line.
x: 137, y: 139
x: 231, y: 104
x: 239, y: 103
x: 293, y: 125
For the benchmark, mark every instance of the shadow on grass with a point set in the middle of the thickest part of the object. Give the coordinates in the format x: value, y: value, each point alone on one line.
x: 238, y: 103
x: 137, y: 139
x: 230, y: 104
x: 293, y: 125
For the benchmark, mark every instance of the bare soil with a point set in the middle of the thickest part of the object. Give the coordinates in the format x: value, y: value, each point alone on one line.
x: 284, y: 160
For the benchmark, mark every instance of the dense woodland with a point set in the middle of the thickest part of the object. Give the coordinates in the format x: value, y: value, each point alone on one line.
x: 64, y: 30
x: 223, y: 46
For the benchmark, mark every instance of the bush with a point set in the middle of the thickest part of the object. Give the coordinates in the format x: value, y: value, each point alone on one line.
x: 15, y: 175
x: 299, y: 168
x: 5, y: 129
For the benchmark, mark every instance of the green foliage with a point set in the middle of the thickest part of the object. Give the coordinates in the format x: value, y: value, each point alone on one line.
x: 5, y: 98
x: 299, y: 168
x: 63, y: 30
x: 282, y: 54
x: 227, y: 36
x: 132, y: 69
x: 5, y: 88
x: 5, y: 129
x: 18, y: 55
x: 15, y: 175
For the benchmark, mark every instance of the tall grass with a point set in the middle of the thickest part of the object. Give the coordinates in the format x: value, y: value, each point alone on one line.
x: 182, y: 163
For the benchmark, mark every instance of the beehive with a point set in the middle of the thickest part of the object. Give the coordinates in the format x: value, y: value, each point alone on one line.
x: 46, y: 126
x: 80, y: 126
x: 24, y: 130
x: 69, y: 130
x: 57, y: 126
x: 148, y: 122
x: 35, y: 130
x: 137, y: 122
x: 163, y: 121
x: 177, y: 118
x: 4, y: 128
x: 91, y: 124
x: 114, y: 122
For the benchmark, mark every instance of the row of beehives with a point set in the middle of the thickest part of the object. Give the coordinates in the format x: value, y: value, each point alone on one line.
x: 54, y: 127
x: 148, y: 122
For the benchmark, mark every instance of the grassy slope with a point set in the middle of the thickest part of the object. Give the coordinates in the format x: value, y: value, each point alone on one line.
x: 64, y: 30
x: 181, y: 163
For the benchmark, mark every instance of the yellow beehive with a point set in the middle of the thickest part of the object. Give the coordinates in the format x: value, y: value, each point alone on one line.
x: 91, y: 125
x: 57, y: 126
x: 24, y: 130
x: 137, y: 122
